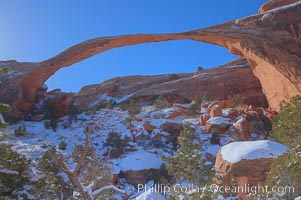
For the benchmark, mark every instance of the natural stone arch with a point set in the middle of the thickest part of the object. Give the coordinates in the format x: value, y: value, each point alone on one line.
x: 259, y: 38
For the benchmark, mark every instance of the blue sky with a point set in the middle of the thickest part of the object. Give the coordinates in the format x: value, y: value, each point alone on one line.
x: 34, y: 30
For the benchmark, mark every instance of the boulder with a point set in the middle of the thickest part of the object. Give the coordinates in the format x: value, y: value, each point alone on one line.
x: 222, y: 104
x: 59, y: 102
x: 216, y: 111
x: 219, y: 124
x: 242, y: 128
x: 176, y: 113
x: 231, y: 113
x: 210, y: 157
x: 172, y: 128
x: 136, y: 177
x: 203, y: 119
x: 246, y: 162
x: 139, y: 167
x: 147, y: 126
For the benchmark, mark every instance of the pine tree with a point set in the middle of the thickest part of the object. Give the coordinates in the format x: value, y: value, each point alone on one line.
x: 194, y: 108
x: 287, y: 125
x: 286, y: 170
x: 14, y: 172
x: 161, y: 103
x: 188, y: 163
x: 133, y: 108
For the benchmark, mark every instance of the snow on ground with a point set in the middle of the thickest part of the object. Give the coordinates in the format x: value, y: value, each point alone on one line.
x: 143, y: 155
x: 192, y: 121
x: 138, y: 160
x: 103, y: 97
x: 236, y: 151
x: 219, y: 120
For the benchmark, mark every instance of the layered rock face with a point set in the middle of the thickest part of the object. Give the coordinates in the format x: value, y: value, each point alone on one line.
x: 272, y: 4
x: 247, y: 163
x: 233, y: 80
x: 270, y: 41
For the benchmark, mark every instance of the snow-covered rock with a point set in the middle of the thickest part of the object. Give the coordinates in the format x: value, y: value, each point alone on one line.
x: 220, y: 124
x: 247, y: 163
x: 250, y: 150
x: 138, y: 167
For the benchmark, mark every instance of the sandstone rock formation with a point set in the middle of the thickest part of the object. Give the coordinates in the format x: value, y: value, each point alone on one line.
x: 246, y: 162
x: 139, y: 167
x: 216, y: 111
x: 218, y: 124
x: 147, y: 126
x: 231, y: 113
x: 234, y: 78
x: 136, y: 177
x: 203, y: 119
x: 270, y: 41
x: 242, y: 127
x: 272, y: 4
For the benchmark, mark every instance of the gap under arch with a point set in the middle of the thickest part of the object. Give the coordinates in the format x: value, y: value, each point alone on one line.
x: 169, y: 57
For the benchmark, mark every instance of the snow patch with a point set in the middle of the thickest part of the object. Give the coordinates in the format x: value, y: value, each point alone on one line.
x: 250, y: 150
x: 140, y: 160
x: 7, y: 171
x: 219, y: 120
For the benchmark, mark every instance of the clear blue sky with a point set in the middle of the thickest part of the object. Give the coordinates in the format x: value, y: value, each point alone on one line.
x: 34, y: 30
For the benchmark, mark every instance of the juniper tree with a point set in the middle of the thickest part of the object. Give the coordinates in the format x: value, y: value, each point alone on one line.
x: 188, y: 164
x: 286, y: 170
x: 287, y: 125
x: 161, y: 103
x: 194, y: 107
x: 90, y: 177
x: 133, y: 108
x: 14, y: 172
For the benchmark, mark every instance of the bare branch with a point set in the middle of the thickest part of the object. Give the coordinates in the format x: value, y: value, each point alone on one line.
x: 108, y: 187
x: 83, y: 156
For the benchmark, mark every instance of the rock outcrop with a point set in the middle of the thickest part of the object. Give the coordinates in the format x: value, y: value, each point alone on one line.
x: 139, y: 167
x: 138, y: 177
x: 233, y: 79
x: 247, y: 163
x: 272, y: 4
x: 218, y: 124
x: 270, y: 41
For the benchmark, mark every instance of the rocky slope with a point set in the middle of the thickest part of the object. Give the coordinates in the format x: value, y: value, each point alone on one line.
x: 150, y: 133
x: 270, y: 41
x: 233, y: 80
